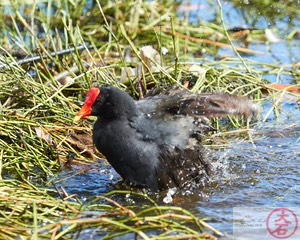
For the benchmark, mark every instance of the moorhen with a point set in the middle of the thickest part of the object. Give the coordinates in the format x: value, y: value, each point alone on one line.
x: 154, y: 143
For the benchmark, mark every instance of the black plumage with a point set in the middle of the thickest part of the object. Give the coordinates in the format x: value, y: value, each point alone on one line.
x: 154, y: 142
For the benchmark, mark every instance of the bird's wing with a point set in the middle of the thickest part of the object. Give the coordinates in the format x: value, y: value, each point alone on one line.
x: 180, y: 160
x: 171, y: 131
x: 182, y: 102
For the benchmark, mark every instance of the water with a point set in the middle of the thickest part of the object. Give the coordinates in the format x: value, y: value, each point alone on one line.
x: 264, y: 174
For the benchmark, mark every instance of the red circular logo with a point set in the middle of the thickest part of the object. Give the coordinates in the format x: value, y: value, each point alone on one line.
x: 282, y: 223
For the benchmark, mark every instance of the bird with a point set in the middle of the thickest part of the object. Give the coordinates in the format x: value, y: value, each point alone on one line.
x: 155, y: 143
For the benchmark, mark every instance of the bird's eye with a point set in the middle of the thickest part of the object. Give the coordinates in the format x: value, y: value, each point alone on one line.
x: 100, y: 99
x: 103, y: 98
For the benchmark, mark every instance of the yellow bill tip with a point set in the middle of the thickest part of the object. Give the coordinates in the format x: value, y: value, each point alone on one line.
x: 76, y: 118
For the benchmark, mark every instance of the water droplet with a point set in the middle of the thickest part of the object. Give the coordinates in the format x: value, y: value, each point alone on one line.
x: 172, y: 191
x: 168, y: 199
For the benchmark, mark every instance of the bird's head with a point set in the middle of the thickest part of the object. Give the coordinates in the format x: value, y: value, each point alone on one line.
x: 107, y: 102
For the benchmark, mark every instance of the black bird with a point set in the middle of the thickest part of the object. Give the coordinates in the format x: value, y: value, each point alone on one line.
x: 154, y: 143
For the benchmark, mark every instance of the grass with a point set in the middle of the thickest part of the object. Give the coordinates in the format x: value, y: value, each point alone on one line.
x: 31, y: 212
x: 38, y: 100
x: 34, y: 99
